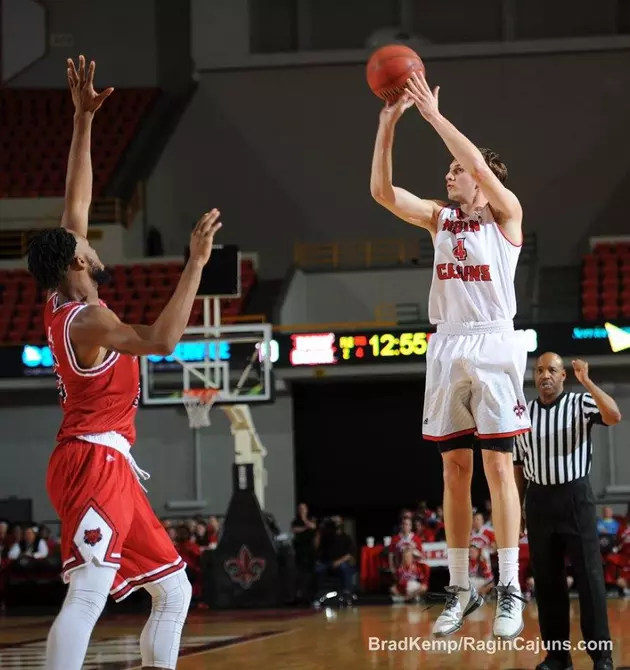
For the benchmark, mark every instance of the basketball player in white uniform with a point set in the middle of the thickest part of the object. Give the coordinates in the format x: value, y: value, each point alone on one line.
x: 476, y: 361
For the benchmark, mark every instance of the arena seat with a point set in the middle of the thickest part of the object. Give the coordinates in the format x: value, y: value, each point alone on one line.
x: 136, y: 294
x: 606, y: 282
x: 35, y: 134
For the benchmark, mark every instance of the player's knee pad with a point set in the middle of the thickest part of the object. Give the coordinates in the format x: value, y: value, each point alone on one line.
x: 88, y: 591
x: 172, y: 595
x: 160, y: 639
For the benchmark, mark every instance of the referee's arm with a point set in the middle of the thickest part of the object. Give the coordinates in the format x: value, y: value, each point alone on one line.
x: 606, y: 406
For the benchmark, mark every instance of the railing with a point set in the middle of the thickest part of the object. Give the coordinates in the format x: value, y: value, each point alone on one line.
x: 116, y: 210
x: 338, y: 325
x: 378, y: 253
x: 14, y: 242
x: 400, y: 313
x: 364, y: 254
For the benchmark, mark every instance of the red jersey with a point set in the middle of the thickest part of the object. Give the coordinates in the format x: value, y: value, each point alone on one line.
x: 99, y: 400
x: 523, y: 548
x: 415, y: 571
x: 482, y: 539
x: 480, y: 569
x: 402, y: 542
x: 623, y: 540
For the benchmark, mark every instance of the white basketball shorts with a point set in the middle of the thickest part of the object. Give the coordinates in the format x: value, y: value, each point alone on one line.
x: 474, y: 382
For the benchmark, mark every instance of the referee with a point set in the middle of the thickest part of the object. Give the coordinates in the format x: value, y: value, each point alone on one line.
x: 554, y: 461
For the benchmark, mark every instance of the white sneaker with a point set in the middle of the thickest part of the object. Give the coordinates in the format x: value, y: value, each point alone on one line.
x: 508, y: 622
x: 453, y: 614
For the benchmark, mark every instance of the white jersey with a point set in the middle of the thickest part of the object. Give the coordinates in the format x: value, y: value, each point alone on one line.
x: 473, y: 269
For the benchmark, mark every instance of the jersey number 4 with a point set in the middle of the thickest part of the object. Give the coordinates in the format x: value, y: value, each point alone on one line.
x: 460, y: 250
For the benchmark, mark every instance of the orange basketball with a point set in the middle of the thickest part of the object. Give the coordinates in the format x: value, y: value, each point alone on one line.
x: 389, y: 68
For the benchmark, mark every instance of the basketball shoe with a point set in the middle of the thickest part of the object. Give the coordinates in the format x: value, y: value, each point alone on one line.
x: 508, y: 622
x: 453, y: 614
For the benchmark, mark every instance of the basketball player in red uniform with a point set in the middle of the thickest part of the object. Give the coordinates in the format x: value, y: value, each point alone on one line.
x: 476, y: 360
x: 112, y: 542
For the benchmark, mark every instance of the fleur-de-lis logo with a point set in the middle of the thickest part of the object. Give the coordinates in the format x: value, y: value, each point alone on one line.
x: 245, y: 569
x: 519, y: 409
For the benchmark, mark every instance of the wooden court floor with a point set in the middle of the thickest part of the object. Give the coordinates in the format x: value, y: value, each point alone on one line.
x: 304, y: 640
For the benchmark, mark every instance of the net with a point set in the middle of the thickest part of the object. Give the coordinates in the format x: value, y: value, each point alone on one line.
x: 198, y: 403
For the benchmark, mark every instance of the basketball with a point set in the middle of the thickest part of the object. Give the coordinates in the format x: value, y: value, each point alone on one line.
x: 389, y: 68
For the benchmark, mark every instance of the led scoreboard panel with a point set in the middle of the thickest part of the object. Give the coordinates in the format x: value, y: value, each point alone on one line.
x: 380, y: 347
x: 357, y: 348
x: 384, y: 345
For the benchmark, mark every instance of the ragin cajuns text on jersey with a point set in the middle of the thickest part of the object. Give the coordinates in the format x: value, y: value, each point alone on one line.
x: 473, y: 269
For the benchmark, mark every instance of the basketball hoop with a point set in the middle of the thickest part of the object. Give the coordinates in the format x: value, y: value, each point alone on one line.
x: 198, y: 403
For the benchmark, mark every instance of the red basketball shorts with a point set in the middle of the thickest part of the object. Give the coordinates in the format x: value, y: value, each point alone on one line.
x: 106, y: 517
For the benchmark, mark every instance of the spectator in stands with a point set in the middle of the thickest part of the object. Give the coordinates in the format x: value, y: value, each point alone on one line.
x: 423, y: 511
x: 482, y: 537
x: 607, y: 525
x: 15, y: 537
x: 405, y: 539
x: 437, y: 525
x: 304, y: 529
x: 31, y: 546
x: 422, y: 531
x: 618, y: 561
x: 411, y: 578
x: 480, y: 572
x: 214, y: 530
x: 607, y: 529
x: 201, y: 534
x: 190, y: 551
x: 4, y: 539
x: 336, y: 553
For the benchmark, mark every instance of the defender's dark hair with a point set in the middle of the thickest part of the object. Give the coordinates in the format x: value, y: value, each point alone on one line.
x: 494, y: 162
x: 50, y: 255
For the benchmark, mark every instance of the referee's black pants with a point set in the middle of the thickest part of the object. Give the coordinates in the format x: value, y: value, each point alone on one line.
x: 562, y: 522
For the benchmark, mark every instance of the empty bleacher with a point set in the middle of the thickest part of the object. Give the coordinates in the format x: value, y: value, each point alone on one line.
x: 35, y: 135
x: 137, y: 294
x: 606, y: 281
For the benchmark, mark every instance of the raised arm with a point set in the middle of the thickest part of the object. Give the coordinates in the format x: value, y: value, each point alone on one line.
x: 604, y: 404
x: 86, y: 101
x: 502, y: 200
x: 97, y: 328
x: 402, y: 203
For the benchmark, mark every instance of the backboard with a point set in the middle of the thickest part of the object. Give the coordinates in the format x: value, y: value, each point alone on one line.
x: 221, y: 278
x: 236, y: 359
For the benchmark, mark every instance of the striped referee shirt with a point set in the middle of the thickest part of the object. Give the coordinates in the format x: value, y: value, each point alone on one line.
x: 558, y: 449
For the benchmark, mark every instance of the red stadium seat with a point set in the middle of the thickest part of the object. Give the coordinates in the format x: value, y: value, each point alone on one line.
x: 590, y: 313
x: 137, y: 294
x: 36, y: 136
x: 610, y: 310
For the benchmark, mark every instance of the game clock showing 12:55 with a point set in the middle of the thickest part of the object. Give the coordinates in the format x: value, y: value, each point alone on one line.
x: 383, y: 345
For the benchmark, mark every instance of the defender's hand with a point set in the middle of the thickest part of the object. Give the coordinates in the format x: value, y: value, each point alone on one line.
x: 425, y: 100
x: 81, y: 83
x: 202, y: 236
